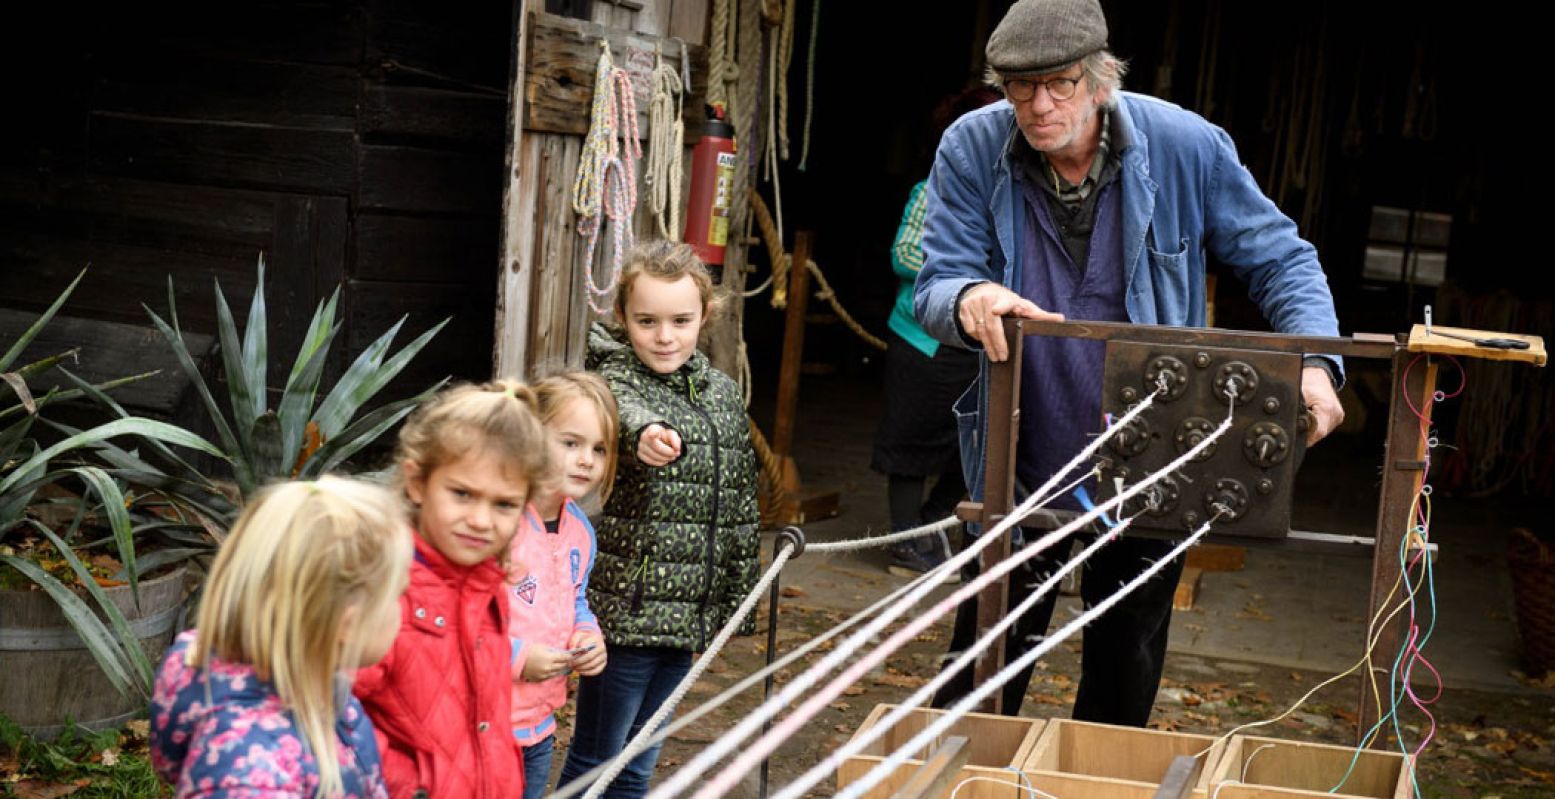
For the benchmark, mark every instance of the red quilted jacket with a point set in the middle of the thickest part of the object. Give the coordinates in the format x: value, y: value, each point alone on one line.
x: 441, y: 698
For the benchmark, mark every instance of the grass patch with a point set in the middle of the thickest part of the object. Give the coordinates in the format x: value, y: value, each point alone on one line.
x: 89, y: 764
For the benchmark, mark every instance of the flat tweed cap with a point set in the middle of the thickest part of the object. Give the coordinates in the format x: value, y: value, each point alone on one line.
x: 1046, y: 35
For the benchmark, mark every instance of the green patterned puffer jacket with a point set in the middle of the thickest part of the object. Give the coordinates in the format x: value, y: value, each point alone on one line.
x: 677, y: 548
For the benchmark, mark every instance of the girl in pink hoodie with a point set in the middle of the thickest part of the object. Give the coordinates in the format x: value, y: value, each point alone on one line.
x: 553, y: 631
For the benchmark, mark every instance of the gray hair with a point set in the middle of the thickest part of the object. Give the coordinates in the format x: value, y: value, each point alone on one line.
x: 1101, y: 69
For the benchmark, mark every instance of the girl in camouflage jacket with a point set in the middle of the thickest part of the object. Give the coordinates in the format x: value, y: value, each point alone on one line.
x: 677, y: 547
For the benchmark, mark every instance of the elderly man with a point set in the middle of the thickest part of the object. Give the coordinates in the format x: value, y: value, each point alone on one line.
x: 1077, y: 199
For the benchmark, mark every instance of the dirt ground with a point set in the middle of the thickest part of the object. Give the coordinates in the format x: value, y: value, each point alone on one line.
x: 1485, y: 744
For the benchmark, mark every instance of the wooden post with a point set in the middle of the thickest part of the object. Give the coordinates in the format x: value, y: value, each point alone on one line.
x: 1002, y: 429
x: 515, y: 268
x: 1402, y: 464
x: 793, y: 346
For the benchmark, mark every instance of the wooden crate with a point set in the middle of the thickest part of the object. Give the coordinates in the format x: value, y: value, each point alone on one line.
x: 1081, y: 760
x: 1268, y: 768
x: 999, y: 744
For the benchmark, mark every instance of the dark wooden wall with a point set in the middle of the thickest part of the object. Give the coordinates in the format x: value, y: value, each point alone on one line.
x: 357, y: 144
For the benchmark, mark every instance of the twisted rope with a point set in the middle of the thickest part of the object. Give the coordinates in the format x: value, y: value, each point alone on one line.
x: 771, y: 469
x: 817, y: 700
x: 717, y: 56
x: 809, y: 82
x: 640, y: 742
x: 574, y: 788
x: 981, y: 692
x: 666, y: 142
x: 606, y: 181
x: 721, y: 748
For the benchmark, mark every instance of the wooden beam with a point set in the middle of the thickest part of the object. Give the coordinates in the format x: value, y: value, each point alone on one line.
x: 1002, y: 426
x: 793, y: 347
x: 515, y: 266
x: 563, y: 59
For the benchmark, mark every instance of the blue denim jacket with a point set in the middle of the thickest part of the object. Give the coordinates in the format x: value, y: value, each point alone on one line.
x: 1185, y: 194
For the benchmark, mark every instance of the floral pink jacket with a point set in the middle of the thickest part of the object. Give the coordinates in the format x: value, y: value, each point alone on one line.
x: 221, y: 732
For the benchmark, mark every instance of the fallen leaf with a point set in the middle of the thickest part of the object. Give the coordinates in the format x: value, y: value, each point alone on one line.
x: 139, y: 729
x: 853, y: 690
x: 111, y: 756
x: 37, y: 789
x: 843, y: 728
x: 841, y: 706
x: 900, y: 680
x: 793, y: 591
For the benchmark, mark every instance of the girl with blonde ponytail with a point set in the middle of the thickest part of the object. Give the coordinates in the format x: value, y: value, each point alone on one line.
x: 441, y: 699
x: 304, y: 591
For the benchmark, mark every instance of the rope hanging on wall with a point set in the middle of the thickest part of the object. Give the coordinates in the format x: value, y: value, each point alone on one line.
x: 606, y: 183
x: 666, y: 143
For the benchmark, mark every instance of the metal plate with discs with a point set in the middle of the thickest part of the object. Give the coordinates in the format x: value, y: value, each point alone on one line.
x: 1246, y: 476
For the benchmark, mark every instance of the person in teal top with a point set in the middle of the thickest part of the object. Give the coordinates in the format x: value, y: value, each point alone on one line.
x: 916, y: 440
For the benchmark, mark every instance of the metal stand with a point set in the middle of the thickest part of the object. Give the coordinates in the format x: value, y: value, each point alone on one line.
x: 788, y: 536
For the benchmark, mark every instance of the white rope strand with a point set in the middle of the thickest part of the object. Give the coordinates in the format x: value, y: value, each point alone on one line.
x: 820, y: 771
x: 882, y: 540
x: 721, y: 748
x: 981, y: 692
x: 817, y: 700
x: 577, y: 786
x: 640, y: 743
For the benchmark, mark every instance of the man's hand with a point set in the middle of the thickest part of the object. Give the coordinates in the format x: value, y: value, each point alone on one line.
x: 1317, y: 393
x: 982, y: 311
x: 658, y: 445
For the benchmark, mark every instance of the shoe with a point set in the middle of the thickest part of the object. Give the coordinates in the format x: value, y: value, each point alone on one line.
x: 912, y: 558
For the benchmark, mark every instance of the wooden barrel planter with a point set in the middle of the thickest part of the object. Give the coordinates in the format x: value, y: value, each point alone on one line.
x: 47, y: 676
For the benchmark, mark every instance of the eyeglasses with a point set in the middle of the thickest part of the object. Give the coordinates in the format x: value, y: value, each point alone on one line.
x: 1021, y: 90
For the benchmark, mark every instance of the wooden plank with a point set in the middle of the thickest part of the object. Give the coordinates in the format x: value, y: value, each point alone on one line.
x: 1303, y: 769
x: 462, y: 349
x: 554, y: 259
x: 276, y: 31
x: 654, y: 18
x: 1104, y: 752
x: 33, y: 268
x: 1217, y: 557
x: 305, y: 265
x: 107, y: 351
x: 1187, y: 588
x: 427, y: 180
x: 689, y: 21
x: 439, y: 114
x: 997, y: 745
x: 219, y: 88
x: 208, y: 153
x: 563, y: 58
x: 516, y: 240
x: 1002, y: 428
x: 150, y: 213
x: 450, y: 45
x: 938, y: 774
x: 1446, y: 345
x: 433, y: 250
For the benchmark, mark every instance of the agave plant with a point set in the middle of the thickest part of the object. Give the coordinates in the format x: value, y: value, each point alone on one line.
x: 301, y: 436
x: 26, y: 467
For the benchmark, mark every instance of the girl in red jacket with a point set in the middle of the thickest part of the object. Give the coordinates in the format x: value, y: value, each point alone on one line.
x: 553, y: 630
x: 442, y: 697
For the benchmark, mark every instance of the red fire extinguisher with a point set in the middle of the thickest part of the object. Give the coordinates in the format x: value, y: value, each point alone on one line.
x: 712, y: 181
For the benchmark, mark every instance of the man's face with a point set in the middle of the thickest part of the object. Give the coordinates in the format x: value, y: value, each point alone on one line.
x: 1059, y: 128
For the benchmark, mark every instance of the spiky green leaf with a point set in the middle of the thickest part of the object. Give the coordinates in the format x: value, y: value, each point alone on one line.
x: 133, y: 426
x: 129, y: 644
x: 118, y: 519
x: 362, y: 432
x: 223, y: 430
x: 297, y: 402
x: 240, y: 394
x: 268, y: 461
x: 256, y: 344
x: 362, y: 388
x: 43, y: 319
x: 99, y: 641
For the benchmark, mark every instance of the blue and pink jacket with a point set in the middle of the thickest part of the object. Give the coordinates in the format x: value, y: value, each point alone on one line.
x: 548, y: 607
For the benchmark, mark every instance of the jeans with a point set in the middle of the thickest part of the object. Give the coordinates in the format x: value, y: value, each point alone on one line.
x: 537, y: 767
x: 614, y: 706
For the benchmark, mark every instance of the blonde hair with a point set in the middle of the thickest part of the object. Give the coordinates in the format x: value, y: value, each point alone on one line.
x: 500, y: 417
x: 668, y: 261
x: 554, y: 392
x: 299, y: 557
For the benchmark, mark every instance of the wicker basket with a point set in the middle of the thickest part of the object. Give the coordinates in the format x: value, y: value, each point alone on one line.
x: 1532, y: 563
